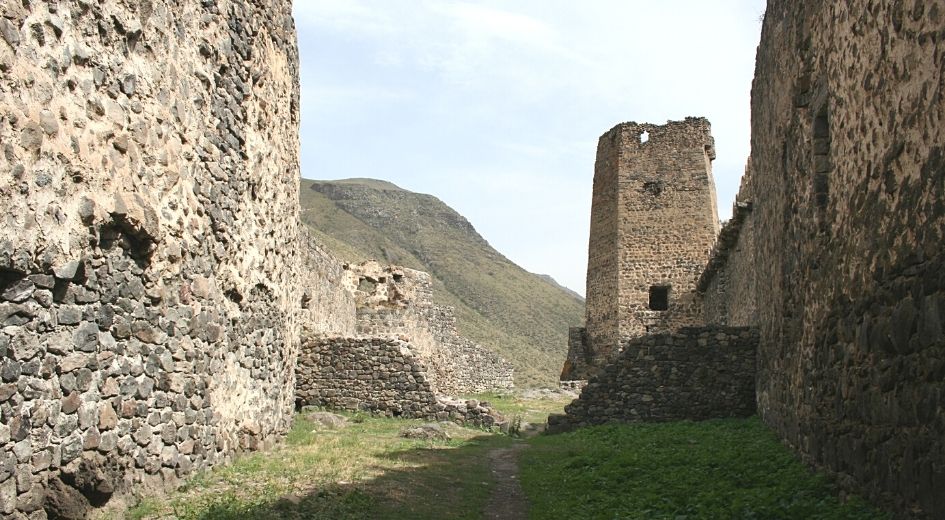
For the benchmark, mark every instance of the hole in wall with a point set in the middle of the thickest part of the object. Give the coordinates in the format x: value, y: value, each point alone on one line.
x: 645, y: 136
x: 8, y: 277
x: 659, y: 297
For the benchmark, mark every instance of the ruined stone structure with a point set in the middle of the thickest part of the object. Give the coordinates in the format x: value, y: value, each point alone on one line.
x: 404, y: 356
x: 833, y: 252
x: 653, y: 224
x: 693, y: 373
x: 396, y: 301
x: 382, y: 375
x: 847, y: 189
x: 149, y: 302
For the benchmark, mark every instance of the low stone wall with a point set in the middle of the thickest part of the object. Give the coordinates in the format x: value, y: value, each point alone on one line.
x: 398, y: 302
x: 471, y: 368
x: 691, y: 374
x: 379, y: 375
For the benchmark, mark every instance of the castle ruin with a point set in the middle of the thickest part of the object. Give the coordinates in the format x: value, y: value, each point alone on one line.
x: 825, y: 291
x: 154, y: 285
x: 653, y: 224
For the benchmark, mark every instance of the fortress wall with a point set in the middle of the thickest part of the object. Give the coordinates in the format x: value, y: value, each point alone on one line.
x: 848, y: 104
x: 148, y: 285
x: 690, y: 374
x: 327, y: 306
x: 398, y: 302
x: 380, y: 375
x: 653, y: 224
x: 728, y: 284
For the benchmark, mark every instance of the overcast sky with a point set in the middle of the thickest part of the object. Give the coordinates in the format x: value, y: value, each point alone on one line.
x: 495, y: 107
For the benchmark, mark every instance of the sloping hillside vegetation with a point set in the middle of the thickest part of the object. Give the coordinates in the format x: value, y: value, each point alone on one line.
x: 522, y: 316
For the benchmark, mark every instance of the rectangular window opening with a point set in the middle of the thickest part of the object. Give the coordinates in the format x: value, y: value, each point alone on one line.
x: 659, y: 297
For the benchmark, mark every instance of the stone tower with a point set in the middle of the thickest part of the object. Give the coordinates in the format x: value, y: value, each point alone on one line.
x: 653, y: 224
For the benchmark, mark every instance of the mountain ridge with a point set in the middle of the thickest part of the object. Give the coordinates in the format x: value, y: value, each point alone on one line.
x: 520, y: 315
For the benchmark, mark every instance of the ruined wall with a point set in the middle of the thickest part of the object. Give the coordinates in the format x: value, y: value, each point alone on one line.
x: 149, y: 186
x: 380, y: 375
x: 728, y: 283
x: 328, y: 307
x: 653, y: 224
x: 398, y: 302
x: 691, y: 374
x: 848, y: 188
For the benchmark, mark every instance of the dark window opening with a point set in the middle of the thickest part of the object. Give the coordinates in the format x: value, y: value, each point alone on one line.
x: 822, y: 162
x: 654, y: 188
x: 659, y: 297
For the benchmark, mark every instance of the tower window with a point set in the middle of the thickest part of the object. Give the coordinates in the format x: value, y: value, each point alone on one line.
x: 659, y: 297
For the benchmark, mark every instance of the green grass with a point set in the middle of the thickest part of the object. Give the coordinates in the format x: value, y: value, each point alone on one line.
x: 499, y: 305
x: 532, y: 411
x: 722, y: 469
x: 363, y: 471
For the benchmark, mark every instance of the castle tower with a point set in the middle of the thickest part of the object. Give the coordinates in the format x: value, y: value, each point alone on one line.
x: 653, y: 224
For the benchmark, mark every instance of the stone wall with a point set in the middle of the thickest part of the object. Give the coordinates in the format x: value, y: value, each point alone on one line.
x: 728, y: 283
x: 149, y: 186
x: 653, y: 224
x: 690, y: 374
x: 379, y: 375
x: 328, y: 307
x: 848, y: 192
x: 398, y: 302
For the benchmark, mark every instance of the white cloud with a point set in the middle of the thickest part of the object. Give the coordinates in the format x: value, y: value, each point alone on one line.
x: 496, y: 106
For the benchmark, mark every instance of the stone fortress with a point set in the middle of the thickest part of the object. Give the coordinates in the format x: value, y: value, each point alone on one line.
x: 156, y: 288
x: 401, y: 357
x: 155, y: 283
x: 821, y: 304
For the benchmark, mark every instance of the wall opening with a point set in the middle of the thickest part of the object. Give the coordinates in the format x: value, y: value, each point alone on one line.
x: 659, y: 297
x: 645, y: 136
x: 820, y: 182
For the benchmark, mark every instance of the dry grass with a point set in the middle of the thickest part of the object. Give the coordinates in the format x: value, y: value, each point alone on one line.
x: 363, y: 471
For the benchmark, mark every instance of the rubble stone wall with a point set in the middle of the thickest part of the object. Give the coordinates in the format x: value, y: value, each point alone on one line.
x: 728, y: 283
x: 653, y: 224
x: 148, y: 298
x: 398, y: 302
x: 848, y: 192
x: 379, y: 375
x: 690, y: 374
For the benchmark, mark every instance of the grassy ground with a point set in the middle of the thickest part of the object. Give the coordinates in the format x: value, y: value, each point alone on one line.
x: 531, y: 411
x: 715, y: 469
x: 726, y: 469
x: 364, y: 471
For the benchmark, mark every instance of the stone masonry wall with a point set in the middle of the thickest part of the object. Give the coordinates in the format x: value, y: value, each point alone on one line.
x: 848, y: 192
x: 380, y: 375
x: 690, y: 374
x: 398, y: 302
x: 327, y: 306
x: 148, y: 299
x: 653, y: 224
x: 728, y: 283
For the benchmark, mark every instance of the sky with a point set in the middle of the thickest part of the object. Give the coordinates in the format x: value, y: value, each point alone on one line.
x: 495, y: 107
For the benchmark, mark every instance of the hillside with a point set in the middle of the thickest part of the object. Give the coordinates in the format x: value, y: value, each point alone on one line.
x: 522, y: 316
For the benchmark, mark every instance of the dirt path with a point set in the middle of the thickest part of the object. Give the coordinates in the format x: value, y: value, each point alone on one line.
x: 507, y: 502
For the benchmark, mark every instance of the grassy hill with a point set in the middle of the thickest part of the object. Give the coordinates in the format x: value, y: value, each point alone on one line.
x: 522, y: 316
